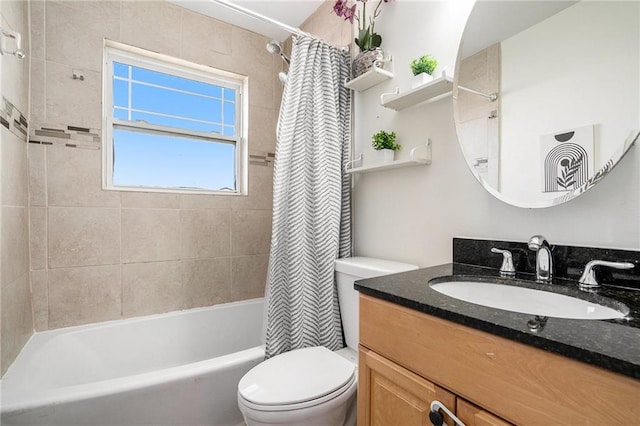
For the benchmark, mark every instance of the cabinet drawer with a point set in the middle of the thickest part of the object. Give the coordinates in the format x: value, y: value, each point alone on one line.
x: 521, y: 384
x: 472, y: 415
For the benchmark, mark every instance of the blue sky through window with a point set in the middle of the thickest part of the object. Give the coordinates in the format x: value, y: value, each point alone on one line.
x: 165, y: 160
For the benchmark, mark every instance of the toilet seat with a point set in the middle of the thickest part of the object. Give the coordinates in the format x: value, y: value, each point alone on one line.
x: 297, y: 379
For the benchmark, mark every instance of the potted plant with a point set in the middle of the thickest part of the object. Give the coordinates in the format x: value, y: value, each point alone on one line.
x: 422, y: 69
x: 367, y: 40
x: 385, y: 145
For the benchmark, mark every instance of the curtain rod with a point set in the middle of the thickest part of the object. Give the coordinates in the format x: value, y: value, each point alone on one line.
x: 261, y: 17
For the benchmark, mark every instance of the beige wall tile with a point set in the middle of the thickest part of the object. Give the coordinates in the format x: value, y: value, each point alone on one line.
x: 151, y: 288
x: 37, y: 112
x: 206, y: 281
x: 151, y: 200
x: 150, y: 235
x: 195, y: 53
x: 17, y: 325
x: 247, y: 45
x: 153, y: 25
x: 14, y: 169
x: 84, y: 295
x: 75, y: 37
x: 15, y: 237
x: 250, y: 232
x: 38, y: 238
x: 40, y: 294
x: 261, y: 87
x: 260, y: 189
x: 73, y: 102
x: 262, y: 129
x: 74, y: 178
x: 15, y: 72
x: 248, y: 276
x: 83, y: 236
x: 205, y: 233
x: 203, y: 201
x: 205, y: 32
x: 37, y: 29
x: 37, y: 175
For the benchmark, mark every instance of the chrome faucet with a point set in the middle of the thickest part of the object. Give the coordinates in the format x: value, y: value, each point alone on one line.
x: 588, y: 279
x: 544, y: 261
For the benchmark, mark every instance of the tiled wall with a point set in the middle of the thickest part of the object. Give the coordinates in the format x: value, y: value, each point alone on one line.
x: 100, y: 255
x: 15, y: 306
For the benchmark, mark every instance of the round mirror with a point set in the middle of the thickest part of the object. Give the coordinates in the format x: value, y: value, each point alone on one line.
x: 547, y: 95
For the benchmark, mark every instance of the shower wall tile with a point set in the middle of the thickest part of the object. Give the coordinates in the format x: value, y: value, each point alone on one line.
x: 74, y: 178
x: 97, y: 254
x: 210, y: 34
x: 151, y: 200
x: 15, y: 237
x: 206, y: 281
x: 38, y: 238
x: 80, y: 236
x: 153, y: 25
x: 74, y: 35
x: 251, y: 232
x: 40, y: 296
x: 14, y: 169
x: 150, y: 235
x: 17, y: 325
x: 37, y: 175
x: 37, y: 112
x: 73, y: 102
x: 248, y: 276
x: 205, y: 233
x: 151, y: 288
x: 84, y: 295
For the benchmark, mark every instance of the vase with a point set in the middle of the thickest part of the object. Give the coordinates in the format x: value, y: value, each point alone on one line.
x: 420, y: 79
x: 384, y: 156
x: 364, y: 61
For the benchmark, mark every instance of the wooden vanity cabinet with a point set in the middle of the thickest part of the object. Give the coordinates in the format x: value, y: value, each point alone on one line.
x: 408, y: 359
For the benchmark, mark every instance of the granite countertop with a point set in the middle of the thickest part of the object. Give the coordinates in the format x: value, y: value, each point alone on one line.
x: 610, y: 344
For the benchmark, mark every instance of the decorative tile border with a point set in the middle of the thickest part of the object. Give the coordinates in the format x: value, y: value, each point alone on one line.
x: 69, y: 136
x: 261, y: 158
x: 13, y: 119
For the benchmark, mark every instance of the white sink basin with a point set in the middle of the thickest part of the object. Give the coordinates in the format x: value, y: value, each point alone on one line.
x: 527, y: 301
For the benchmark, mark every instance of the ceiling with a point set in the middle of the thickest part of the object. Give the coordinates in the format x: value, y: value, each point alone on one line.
x: 290, y: 12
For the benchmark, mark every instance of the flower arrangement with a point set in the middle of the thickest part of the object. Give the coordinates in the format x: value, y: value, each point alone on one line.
x: 367, y: 38
x: 385, y: 140
x: 424, y: 64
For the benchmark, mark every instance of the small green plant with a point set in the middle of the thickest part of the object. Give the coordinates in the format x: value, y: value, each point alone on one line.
x: 384, y: 140
x: 426, y: 64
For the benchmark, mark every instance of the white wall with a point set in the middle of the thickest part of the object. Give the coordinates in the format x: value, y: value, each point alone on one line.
x: 412, y: 214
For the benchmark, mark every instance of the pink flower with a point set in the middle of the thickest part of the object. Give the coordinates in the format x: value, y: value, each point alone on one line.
x: 339, y: 7
x: 350, y: 13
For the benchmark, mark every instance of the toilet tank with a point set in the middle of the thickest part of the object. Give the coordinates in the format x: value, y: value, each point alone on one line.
x: 348, y: 270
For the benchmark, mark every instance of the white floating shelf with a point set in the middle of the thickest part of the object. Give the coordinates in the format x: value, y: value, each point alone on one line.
x: 438, y: 87
x: 415, y: 160
x: 369, y: 79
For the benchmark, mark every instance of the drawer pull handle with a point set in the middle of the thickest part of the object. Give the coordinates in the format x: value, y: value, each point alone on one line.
x: 437, y: 419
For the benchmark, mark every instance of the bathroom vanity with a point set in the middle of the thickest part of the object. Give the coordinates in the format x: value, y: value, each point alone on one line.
x: 491, y: 366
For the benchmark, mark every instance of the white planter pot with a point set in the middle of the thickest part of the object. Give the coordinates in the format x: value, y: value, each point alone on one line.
x: 383, y: 156
x: 420, y: 79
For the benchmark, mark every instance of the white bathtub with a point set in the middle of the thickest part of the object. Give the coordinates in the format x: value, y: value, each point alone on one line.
x: 180, y: 368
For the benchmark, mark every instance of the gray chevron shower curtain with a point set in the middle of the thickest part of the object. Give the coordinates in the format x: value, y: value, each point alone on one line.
x: 311, y: 200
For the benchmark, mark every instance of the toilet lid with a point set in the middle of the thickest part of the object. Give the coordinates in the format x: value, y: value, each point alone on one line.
x: 297, y: 376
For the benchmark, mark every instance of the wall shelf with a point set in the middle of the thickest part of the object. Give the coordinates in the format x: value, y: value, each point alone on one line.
x: 415, y: 159
x: 373, y: 77
x: 439, y: 87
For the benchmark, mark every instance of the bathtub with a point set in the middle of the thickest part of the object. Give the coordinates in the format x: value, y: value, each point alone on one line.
x: 180, y: 368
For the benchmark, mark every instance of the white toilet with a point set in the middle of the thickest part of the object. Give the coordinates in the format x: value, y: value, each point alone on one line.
x: 314, y: 386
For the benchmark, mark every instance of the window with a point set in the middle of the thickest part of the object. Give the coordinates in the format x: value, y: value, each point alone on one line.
x: 170, y: 125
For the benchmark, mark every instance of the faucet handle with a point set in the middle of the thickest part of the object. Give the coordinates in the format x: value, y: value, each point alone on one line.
x: 588, y: 279
x: 506, y: 269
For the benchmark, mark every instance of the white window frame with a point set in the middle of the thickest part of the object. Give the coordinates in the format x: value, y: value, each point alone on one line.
x: 122, y: 53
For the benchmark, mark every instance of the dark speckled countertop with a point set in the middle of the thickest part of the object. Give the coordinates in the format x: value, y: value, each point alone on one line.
x: 610, y: 344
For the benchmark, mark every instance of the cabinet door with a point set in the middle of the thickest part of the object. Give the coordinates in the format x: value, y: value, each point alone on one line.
x: 389, y: 394
x: 472, y: 415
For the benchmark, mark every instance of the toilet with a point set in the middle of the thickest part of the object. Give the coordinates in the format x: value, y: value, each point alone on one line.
x: 314, y: 386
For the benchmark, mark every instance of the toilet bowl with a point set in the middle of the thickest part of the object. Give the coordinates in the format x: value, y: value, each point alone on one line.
x: 314, y: 386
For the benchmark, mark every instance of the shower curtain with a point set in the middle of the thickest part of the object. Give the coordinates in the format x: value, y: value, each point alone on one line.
x: 311, y: 200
